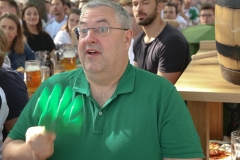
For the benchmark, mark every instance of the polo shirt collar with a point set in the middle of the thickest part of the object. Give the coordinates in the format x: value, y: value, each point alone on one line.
x: 125, y: 85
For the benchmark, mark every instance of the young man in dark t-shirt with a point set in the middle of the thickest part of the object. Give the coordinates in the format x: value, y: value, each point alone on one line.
x: 161, y: 49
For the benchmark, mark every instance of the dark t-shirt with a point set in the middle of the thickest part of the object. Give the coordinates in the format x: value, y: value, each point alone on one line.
x: 40, y: 42
x: 15, y: 90
x: 169, y: 52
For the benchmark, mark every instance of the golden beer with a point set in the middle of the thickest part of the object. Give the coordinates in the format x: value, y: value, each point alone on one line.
x: 69, y: 63
x: 33, y: 75
x: 33, y: 79
x: 61, y: 62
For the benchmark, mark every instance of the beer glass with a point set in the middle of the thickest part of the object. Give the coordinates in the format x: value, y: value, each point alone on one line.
x: 33, y: 73
x: 69, y: 59
x: 235, y: 143
x: 45, y: 72
x: 40, y: 55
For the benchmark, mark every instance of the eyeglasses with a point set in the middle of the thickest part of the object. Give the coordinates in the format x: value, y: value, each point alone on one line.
x: 102, y: 31
x: 206, y: 15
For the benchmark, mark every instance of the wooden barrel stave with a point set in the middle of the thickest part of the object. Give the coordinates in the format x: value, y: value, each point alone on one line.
x: 227, y: 29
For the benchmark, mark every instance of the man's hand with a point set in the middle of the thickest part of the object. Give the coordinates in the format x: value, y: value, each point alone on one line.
x: 40, y: 142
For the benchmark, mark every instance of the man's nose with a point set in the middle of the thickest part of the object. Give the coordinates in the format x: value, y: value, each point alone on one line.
x: 91, y: 37
x: 139, y: 7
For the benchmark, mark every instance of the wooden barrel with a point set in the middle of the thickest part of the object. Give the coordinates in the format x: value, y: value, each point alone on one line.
x: 227, y: 33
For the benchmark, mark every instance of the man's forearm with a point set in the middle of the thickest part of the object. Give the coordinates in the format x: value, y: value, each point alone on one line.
x: 17, y: 149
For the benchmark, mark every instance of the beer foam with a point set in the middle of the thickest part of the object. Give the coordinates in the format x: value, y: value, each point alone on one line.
x: 32, y: 68
x: 69, y: 54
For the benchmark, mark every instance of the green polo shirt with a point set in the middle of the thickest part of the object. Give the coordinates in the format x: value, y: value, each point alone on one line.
x: 145, y: 119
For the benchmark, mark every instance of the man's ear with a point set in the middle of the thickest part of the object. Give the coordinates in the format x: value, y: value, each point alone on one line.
x: 160, y: 7
x: 128, y: 38
x: 129, y: 35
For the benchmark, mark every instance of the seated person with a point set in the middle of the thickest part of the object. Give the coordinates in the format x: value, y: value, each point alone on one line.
x: 13, y: 93
x: 170, y: 15
x: 207, y: 13
x: 64, y: 36
x: 37, y: 38
x: 181, y: 17
x: 127, y: 113
x: 18, y: 51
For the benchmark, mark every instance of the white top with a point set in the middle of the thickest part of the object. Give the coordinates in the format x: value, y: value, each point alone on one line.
x: 4, y: 110
x: 62, y: 37
x: 130, y: 52
x: 53, y: 27
x: 183, y: 23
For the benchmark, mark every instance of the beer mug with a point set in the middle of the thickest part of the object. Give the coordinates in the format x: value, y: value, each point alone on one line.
x: 40, y: 55
x: 33, y: 75
x: 69, y: 59
x: 45, y: 72
x: 235, y: 143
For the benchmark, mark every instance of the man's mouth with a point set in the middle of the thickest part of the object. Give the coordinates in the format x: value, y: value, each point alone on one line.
x: 140, y: 15
x: 92, y: 52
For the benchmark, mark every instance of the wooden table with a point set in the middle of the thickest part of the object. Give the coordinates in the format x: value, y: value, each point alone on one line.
x: 204, y: 89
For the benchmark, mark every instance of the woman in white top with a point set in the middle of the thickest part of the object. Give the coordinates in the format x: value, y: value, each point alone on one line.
x: 64, y: 35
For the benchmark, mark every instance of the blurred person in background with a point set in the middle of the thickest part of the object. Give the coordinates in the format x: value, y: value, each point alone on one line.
x: 74, y: 37
x: 55, y: 24
x: 81, y: 3
x: 161, y: 49
x: 9, y: 6
x: 18, y: 51
x: 67, y: 9
x: 41, y: 4
x: 37, y: 38
x: 207, y: 13
x: 64, y: 36
x: 13, y: 93
x: 191, y: 12
x: 73, y: 5
x: 20, y: 7
x: 170, y: 11
x: 181, y: 18
x: 137, y: 29
x: 170, y: 14
x: 48, y: 10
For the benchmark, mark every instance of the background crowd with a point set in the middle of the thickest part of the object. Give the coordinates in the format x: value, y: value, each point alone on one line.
x: 43, y: 25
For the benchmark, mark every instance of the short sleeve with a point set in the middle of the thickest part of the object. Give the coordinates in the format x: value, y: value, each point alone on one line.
x: 62, y: 37
x: 178, y: 136
x: 174, y: 56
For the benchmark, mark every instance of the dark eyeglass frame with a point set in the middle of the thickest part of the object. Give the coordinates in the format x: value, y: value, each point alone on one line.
x: 78, y: 30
